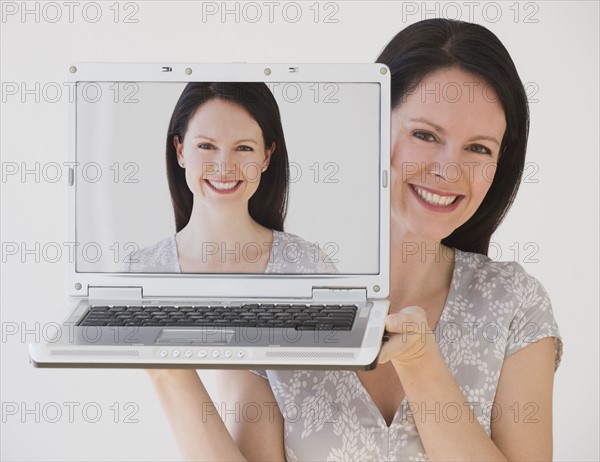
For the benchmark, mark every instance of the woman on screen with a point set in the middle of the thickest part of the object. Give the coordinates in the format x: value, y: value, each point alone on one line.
x: 467, y: 373
x: 227, y: 168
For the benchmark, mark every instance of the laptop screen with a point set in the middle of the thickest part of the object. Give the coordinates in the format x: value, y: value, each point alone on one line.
x: 178, y: 177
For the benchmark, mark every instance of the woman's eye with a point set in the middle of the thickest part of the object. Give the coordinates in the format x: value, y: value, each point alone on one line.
x: 245, y: 148
x: 425, y: 136
x: 480, y: 149
x: 205, y: 146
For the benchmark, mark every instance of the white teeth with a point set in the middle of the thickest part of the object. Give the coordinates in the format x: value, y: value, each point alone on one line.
x: 223, y: 186
x: 434, y: 199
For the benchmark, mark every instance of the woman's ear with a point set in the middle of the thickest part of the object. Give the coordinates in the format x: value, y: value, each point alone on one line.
x: 268, y: 153
x: 179, y: 150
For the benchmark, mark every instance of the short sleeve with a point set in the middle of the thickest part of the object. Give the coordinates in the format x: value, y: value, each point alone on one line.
x: 262, y: 373
x: 533, y: 319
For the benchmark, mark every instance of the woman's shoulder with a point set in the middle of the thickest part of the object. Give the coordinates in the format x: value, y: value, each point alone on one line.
x: 472, y: 268
x: 503, y: 293
x: 286, y: 238
x: 159, y: 257
x: 484, y: 279
x: 293, y: 254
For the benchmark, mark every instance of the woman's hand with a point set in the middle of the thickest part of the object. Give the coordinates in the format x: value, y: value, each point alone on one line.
x: 411, y: 339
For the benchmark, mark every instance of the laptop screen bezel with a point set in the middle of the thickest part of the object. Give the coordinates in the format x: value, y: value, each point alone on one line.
x: 234, y: 285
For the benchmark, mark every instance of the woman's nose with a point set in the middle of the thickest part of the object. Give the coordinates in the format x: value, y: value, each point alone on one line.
x: 445, y: 159
x: 450, y: 153
x: 227, y: 162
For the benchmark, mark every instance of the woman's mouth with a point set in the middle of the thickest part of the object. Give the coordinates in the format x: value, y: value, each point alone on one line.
x: 223, y: 187
x: 436, y: 201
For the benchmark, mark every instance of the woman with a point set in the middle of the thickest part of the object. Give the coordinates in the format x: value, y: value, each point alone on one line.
x: 450, y: 384
x: 227, y: 168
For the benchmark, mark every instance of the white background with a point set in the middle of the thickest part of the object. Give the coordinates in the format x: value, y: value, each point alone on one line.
x: 552, y: 229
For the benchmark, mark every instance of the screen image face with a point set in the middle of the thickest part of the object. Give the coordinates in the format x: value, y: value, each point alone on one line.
x: 126, y: 196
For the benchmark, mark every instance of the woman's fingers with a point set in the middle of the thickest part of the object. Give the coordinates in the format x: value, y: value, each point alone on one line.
x: 408, y: 335
x: 405, y: 318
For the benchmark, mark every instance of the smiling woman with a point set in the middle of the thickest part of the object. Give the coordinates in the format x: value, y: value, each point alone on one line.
x: 472, y: 342
x: 228, y: 174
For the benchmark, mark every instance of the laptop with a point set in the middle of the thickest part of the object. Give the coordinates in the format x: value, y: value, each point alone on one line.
x: 144, y: 294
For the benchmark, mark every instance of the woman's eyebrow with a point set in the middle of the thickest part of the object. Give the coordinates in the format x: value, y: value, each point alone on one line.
x: 484, y: 137
x: 421, y: 119
x: 442, y: 131
x: 247, y: 140
x: 203, y: 136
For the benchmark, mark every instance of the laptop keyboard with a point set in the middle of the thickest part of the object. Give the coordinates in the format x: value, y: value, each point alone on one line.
x: 299, y: 317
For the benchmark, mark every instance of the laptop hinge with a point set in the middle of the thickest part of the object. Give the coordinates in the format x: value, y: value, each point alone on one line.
x: 106, y: 294
x: 349, y: 294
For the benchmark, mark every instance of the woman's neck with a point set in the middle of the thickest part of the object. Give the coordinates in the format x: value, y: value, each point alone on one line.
x: 421, y: 269
x: 226, y: 228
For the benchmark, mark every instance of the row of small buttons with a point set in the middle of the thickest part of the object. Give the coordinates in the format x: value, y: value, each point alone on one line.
x: 201, y: 353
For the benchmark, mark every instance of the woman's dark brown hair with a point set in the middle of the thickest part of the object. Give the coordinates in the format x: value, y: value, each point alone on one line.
x: 434, y: 44
x: 268, y: 205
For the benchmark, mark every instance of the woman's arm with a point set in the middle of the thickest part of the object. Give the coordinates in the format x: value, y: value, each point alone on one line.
x: 251, y: 413
x: 198, y: 428
x: 524, y: 430
x: 526, y: 377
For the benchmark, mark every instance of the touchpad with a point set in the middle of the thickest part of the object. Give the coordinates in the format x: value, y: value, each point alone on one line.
x: 194, y: 336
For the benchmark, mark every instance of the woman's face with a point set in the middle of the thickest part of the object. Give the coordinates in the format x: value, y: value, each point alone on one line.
x: 446, y: 137
x: 223, y: 153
